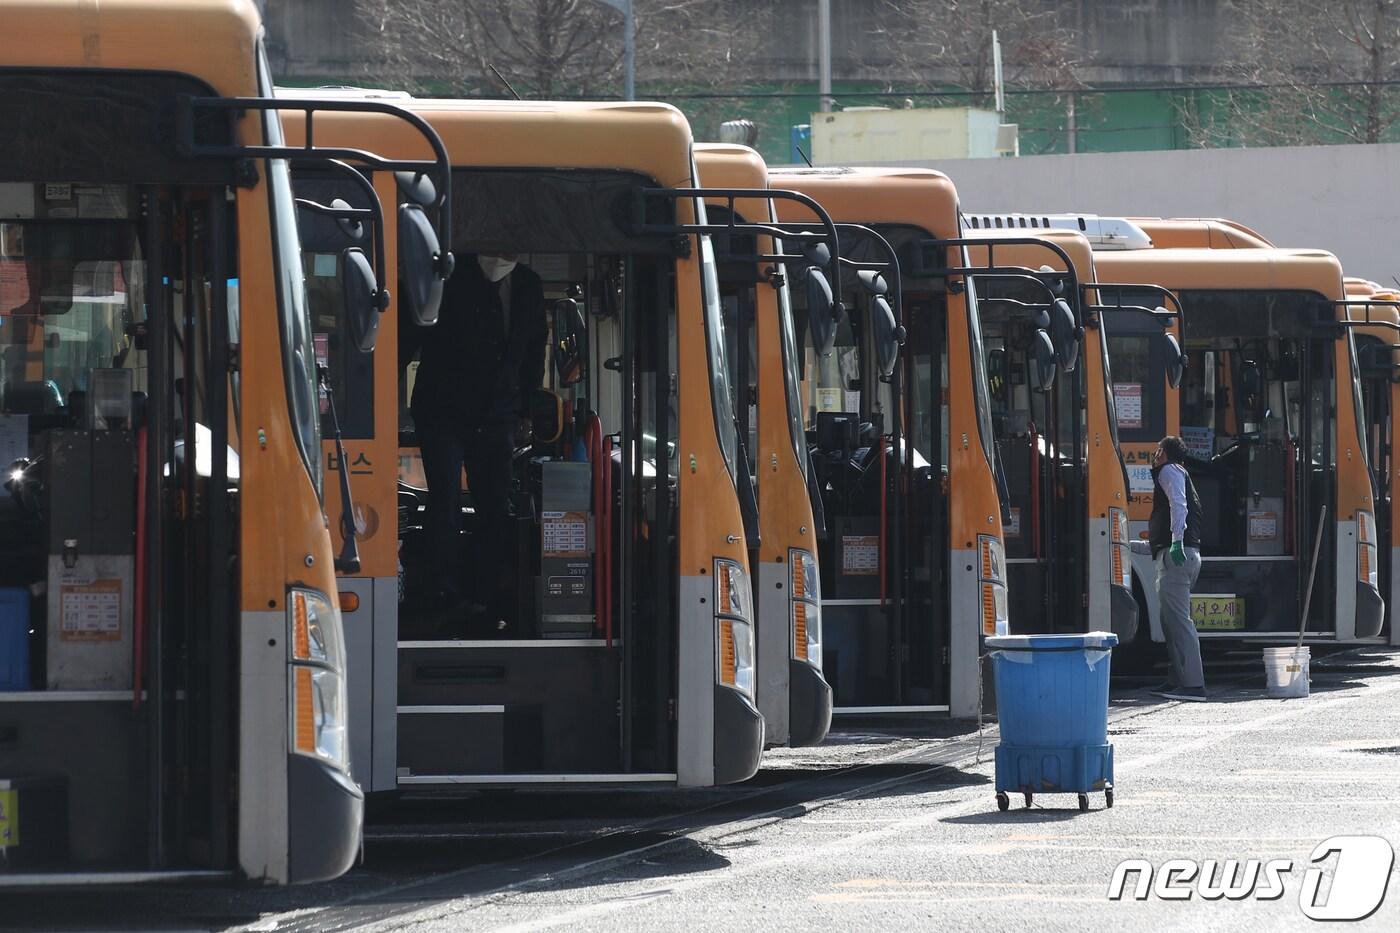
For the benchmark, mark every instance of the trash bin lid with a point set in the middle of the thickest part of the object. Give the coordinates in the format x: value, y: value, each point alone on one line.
x: 1086, y: 640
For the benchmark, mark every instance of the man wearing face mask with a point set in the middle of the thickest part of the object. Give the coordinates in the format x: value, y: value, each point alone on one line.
x: 478, y: 366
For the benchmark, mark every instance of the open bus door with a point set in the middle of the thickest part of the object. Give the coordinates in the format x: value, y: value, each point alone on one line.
x: 1375, y: 329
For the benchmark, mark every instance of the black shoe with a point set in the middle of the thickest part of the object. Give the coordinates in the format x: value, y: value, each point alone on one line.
x: 1189, y: 694
x: 1163, y: 689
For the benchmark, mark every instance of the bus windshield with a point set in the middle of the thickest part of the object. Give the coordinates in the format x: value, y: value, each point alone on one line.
x: 70, y: 292
x: 298, y: 352
x: 792, y: 389
x: 721, y: 387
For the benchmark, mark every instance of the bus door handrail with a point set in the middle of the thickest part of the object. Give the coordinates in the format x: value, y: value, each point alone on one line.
x: 893, y: 487
x: 440, y: 166
x: 991, y: 269
x: 730, y: 195
x: 1388, y: 325
x: 1175, y: 313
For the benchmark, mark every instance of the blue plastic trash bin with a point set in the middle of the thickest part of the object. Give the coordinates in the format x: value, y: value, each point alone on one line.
x: 14, y: 638
x: 1052, y: 707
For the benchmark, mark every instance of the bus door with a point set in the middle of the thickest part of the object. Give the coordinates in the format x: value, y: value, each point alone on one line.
x: 1036, y: 386
x: 1377, y: 340
x: 883, y: 494
x: 581, y: 671
x: 121, y: 513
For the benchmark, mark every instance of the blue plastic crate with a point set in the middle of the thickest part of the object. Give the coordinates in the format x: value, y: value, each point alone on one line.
x: 14, y: 638
x: 1052, y: 707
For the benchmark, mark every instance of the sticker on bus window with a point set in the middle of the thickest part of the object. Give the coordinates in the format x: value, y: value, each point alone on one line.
x: 565, y: 534
x: 91, y: 611
x: 829, y: 400
x: 1013, y: 527
x: 1200, y: 442
x: 1127, y: 400
x: 860, y: 555
x: 1263, y: 526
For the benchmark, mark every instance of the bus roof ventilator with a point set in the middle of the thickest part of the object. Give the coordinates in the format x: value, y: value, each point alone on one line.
x: 1103, y: 233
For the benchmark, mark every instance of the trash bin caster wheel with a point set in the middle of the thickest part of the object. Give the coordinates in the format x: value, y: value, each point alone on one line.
x: 1003, y: 801
x: 1030, y: 798
x: 1083, y: 802
x: 1108, y: 798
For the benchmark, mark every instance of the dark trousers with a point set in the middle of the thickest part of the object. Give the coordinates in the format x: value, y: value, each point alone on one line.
x: 484, y: 448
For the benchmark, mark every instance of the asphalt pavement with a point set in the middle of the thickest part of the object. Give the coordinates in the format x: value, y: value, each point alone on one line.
x: 887, y: 825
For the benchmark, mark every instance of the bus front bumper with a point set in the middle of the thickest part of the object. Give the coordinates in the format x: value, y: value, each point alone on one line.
x: 809, y: 704
x: 1123, y: 609
x: 1370, y: 611
x: 325, y: 812
x: 738, y: 736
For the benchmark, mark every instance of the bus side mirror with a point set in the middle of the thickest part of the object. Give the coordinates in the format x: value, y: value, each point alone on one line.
x: 1176, y: 360
x: 1043, y: 359
x: 416, y: 187
x: 873, y: 281
x: 570, y: 329
x: 888, y: 335
x: 1066, y: 338
x: 360, y: 293
x: 420, y: 284
x: 820, y: 308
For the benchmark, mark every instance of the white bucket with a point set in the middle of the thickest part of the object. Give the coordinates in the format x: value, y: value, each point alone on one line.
x: 1286, y: 671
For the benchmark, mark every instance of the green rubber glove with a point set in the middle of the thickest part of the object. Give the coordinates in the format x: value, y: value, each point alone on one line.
x: 1178, y: 553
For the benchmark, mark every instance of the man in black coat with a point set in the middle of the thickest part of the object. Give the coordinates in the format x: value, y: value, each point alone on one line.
x: 478, y: 366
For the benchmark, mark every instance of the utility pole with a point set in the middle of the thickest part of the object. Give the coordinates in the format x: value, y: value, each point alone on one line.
x: 824, y: 52
x: 1072, y: 125
x: 629, y: 47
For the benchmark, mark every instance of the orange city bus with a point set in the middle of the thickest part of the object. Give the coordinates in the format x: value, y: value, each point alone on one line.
x: 792, y: 694
x: 1270, y: 407
x: 913, y: 566
x: 172, y: 663
x: 1375, y: 315
x: 1206, y: 232
x: 1068, y: 564
x: 626, y: 653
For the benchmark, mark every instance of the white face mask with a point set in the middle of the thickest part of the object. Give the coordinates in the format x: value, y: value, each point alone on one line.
x: 494, y: 267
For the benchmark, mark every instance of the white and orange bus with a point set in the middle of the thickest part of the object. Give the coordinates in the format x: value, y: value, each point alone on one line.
x: 172, y: 656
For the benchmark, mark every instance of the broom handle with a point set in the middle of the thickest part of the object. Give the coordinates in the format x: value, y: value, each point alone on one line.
x: 1312, y: 575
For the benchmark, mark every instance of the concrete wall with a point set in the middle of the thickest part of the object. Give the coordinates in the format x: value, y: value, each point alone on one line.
x: 1339, y: 198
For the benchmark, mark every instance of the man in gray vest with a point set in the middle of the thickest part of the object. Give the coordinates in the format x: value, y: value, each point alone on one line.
x: 1174, y: 533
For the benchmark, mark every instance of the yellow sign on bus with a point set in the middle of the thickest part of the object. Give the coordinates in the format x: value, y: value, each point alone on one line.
x: 1217, y: 612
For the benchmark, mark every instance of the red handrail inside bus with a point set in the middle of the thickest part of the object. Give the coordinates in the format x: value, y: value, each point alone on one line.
x: 600, y: 458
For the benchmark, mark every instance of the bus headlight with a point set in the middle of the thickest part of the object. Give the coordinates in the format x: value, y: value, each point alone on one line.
x: 732, y: 595
x: 806, y: 589
x: 1366, y: 545
x: 1120, y: 553
x: 992, y: 577
x: 736, y: 655
x: 733, y: 627
x: 318, y: 728
x: 318, y: 714
x: 315, y: 629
